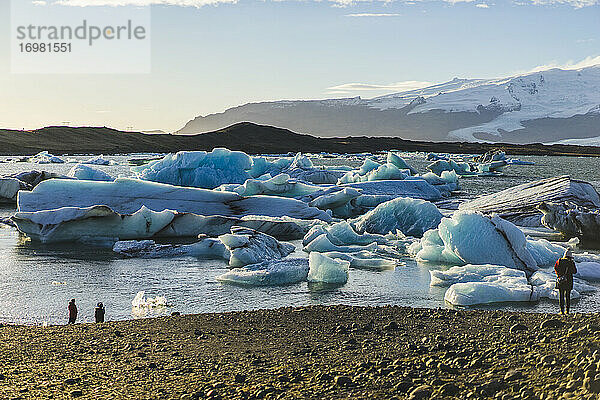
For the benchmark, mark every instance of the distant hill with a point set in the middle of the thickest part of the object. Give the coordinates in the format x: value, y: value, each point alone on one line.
x: 246, y: 136
x: 541, y: 107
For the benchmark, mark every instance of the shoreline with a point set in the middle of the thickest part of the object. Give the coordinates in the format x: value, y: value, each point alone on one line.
x: 326, y: 352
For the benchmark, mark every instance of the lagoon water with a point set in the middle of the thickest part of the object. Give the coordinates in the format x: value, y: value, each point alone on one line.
x: 37, y: 281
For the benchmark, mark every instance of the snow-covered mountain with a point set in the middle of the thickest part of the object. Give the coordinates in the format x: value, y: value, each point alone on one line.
x: 548, y: 106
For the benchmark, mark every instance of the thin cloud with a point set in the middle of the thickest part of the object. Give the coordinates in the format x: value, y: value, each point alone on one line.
x: 482, y: 5
x: 372, y: 15
x: 39, y: 3
x: 365, y: 87
x: 142, y: 3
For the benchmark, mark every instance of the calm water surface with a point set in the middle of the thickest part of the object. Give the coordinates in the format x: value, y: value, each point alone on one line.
x: 36, y: 281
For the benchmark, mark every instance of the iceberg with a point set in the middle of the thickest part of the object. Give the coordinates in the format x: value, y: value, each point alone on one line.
x: 126, y: 196
x: 338, y: 202
x: 473, y: 293
x: 326, y: 269
x: 519, y: 204
x: 387, y: 171
x: 414, y: 188
x: 472, y: 238
x: 268, y: 273
x: 98, y: 160
x: 96, y: 224
x: 46, y: 158
x: 545, y: 282
x: 475, y: 273
x: 589, y: 271
x: 572, y: 220
x: 198, y: 168
x: 363, y: 260
x: 248, y: 246
x: 440, y: 166
x: 140, y: 301
x: 280, y: 185
x: 84, y: 172
x: 322, y: 243
x: 412, y: 217
x: 9, y: 187
x: 395, y: 159
x: 205, y: 248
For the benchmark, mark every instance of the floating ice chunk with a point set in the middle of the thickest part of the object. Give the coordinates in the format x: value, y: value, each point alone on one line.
x: 97, y: 224
x: 572, y: 220
x: 519, y: 204
x: 268, y: 273
x: 383, y: 172
x: 435, y: 157
x: 494, y: 167
x: 410, y: 216
x: 46, y: 158
x: 363, y: 260
x: 248, y: 246
x: 414, y: 188
x: 475, y: 239
x: 395, y: 159
x: 590, y: 271
x: 9, y: 187
x: 342, y: 233
x: 140, y: 301
x: 439, y: 166
x: 83, y: 172
x: 126, y: 196
x: 98, y: 160
x: 472, y: 293
x: 516, y: 161
x: 544, y: 252
x: 205, y: 248
x: 326, y: 269
x: 475, y: 273
x: 322, y: 243
x: 545, y: 281
x: 280, y: 185
x: 198, y: 168
x: 338, y: 202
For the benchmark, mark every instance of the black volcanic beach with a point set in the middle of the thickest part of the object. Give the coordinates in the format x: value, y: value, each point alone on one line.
x: 327, y: 352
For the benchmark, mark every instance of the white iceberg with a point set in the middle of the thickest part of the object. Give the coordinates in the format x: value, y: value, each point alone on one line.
x: 474, y: 273
x: 322, y: 243
x: 471, y: 238
x: 372, y: 171
x: 268, y: 273
x: 342, y: 233
x: 590, y: 271
x: 198, y: 168
x: 46, y: 158
x: 84, y: 172
x: 519, y: 204
x: 98, y: 160
x: 395, y: 159
x: 326, y: 269
x: 205, y: 248
x: 96, y: 224
x: 280, y: 185
x: 473, y: 293
x: 248, y: 246
x: 412, y: 217
x: 363, y: 260
x: 141, y: 305
x: 439, y: 166
x: 126, y: 196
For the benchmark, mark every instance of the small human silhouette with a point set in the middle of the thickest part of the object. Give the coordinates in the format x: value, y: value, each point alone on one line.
x: 99, y: 312
x: 72, y: 311
x: 565, y: 269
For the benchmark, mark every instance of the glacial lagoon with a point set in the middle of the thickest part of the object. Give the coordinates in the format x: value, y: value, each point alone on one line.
x: 37, y: 280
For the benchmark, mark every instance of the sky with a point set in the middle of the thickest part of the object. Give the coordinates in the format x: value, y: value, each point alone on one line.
x: 209, y: 55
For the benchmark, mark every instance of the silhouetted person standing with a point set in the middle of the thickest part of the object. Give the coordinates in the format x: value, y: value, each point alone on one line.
x: 99, y: 312
x: 72, y: 311
x: 565, y: 269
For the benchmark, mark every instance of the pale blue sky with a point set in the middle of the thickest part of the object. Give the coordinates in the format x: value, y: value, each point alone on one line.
x: 206, y: 59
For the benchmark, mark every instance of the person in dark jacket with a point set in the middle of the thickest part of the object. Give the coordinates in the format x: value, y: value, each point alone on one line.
x: 99, y: 312
x: 72, y: 311
x: 565, y: 269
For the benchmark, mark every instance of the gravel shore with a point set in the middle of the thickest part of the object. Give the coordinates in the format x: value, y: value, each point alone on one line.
x: 320, y: 352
